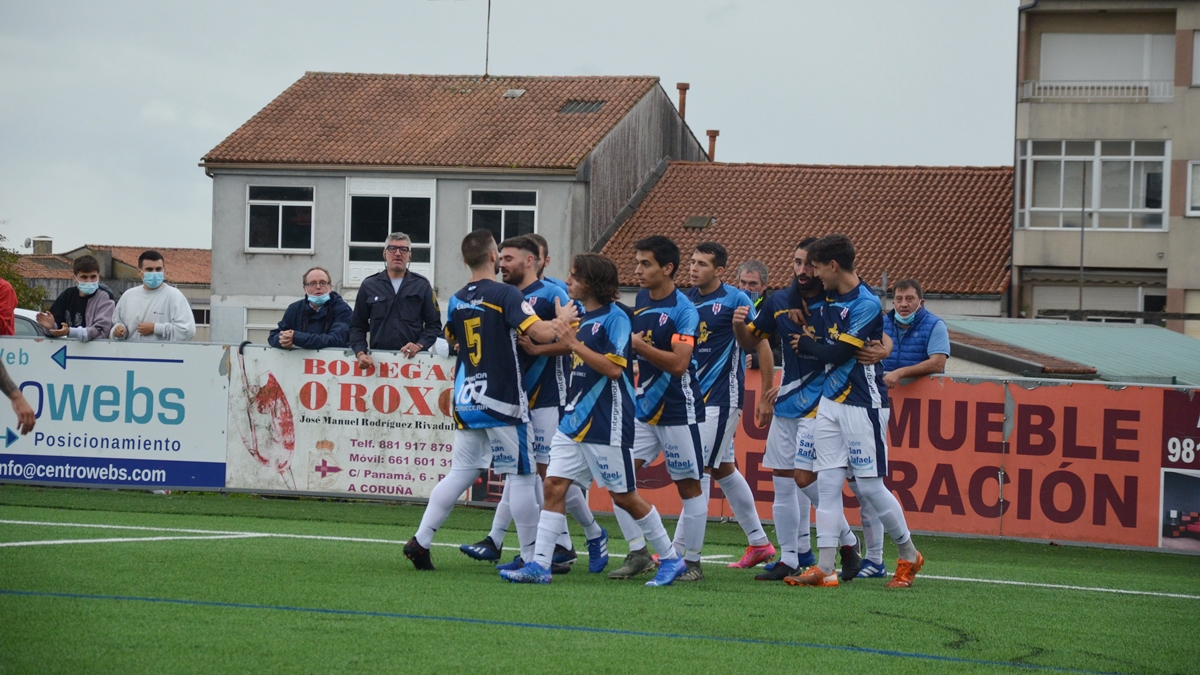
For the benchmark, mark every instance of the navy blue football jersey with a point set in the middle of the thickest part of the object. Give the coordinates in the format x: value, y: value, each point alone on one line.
x: 720, y: 361
x: 803, y: 374
x: 662, y: 398
x: 854, y: 318
x: 545, y: 376
x: 599, y: 409
x: 484, y: 318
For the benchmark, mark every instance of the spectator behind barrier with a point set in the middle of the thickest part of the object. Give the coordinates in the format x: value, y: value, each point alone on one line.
x: 922, y: 342
x: 84, y: 312
x: 396, y: 307
x: 752, y: 278
x: 318, y: 321
x: 156, y: 310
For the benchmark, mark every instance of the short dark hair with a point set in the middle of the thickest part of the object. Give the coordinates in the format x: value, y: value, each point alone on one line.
x: 909, y: 283
x: 833, y: 248
x: 543, y: 246
x: 149, y: 255
x: 805, y: 243
x: 663, y: 249
x: 717, y: 251
x: 599, y: 274
x: 476, y: 246
x: 85, y: 263
x: 523, y: 242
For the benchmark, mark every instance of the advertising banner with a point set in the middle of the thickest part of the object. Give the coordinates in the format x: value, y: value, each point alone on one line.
x: 314, y: 422
x: 147, y: 415
x: 1090, y: 462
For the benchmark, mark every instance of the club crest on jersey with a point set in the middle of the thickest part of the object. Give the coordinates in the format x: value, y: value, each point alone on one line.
x: 595, y: 328
x: 716, y: 308
x: 527, y: 308
x: 662, y: 319
x: 533, y: 301
x: 845, y: 312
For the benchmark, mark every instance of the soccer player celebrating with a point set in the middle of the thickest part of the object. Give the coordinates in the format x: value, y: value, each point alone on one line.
x: 597, y: 428
x: 545, y: 368
x: 850, y: 434
x: 669, y: 408
x: 722, y: 374
x: 490, y: 407
x: 789, y: 440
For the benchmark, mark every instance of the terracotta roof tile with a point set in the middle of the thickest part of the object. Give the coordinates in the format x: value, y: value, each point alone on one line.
x: 45, y: 267
x: 432, y: 120
x: 948, y: 227
x: 183, y: 265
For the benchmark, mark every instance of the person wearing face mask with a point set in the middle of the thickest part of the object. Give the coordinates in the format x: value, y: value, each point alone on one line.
x: 154, y: 311
x: 84, y: 312
x: 752, y: 278
x: 320, y: 320
x: 921, y: 338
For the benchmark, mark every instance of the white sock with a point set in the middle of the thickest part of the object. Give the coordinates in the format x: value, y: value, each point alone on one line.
x: 871, y: 527
x: 653, y: 530
x: 890, y: 514
x: 741, y: 500
x: 540, y: 491
x: 693, y: 523
x: 441, y: 500
x: 787, y: 519
x: 804, y: 527
x: 629, y: 528
x: 549, y: 527
x: 830, y: 514
x: 525, y: 511
x: 680, y: 532
x: 501, y: 520
x: 846, y: 538
x: 578, y: 507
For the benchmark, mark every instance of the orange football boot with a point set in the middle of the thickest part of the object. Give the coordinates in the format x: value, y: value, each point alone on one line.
x: 813, y: 576
x: 906, y: 571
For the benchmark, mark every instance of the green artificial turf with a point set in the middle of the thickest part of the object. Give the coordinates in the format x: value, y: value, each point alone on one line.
x: 726, y: 623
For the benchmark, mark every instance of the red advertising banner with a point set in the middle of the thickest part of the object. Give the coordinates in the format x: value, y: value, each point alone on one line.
x: 1086, y: 462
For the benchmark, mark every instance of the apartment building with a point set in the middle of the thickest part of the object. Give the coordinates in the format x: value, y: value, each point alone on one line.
x: 1107, y: 170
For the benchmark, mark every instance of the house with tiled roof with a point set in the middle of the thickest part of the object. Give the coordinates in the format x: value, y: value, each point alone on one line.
x: 948, y: 227
x: 323, y: 173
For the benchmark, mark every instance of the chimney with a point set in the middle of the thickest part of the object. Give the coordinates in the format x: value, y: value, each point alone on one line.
x: 712, y: 144
x: 43, y: 246
x: 683, y: 87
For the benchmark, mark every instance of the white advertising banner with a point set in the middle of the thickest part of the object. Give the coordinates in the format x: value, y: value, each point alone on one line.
x: 119, y: 413
x: 313, y: 421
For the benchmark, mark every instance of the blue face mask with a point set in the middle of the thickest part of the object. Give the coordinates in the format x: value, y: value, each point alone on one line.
x: 152, y: 279
x: 905, y: 320
x: 89, y: 287
x: 318, y: 300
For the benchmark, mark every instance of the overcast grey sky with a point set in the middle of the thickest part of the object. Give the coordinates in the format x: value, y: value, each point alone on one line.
x: 106, y: 108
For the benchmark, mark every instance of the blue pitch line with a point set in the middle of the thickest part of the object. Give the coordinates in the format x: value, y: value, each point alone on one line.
x: 574, y: 629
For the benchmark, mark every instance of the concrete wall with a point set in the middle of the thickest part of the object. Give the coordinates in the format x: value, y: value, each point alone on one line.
x: 273, y: 281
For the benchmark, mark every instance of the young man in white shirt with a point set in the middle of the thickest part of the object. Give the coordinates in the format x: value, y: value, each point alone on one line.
x: 154, y: 311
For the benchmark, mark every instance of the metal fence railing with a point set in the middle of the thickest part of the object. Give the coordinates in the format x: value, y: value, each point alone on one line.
x: 1130, y: 91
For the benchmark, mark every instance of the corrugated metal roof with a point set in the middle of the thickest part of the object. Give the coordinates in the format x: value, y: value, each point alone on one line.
x: 1119, y: 352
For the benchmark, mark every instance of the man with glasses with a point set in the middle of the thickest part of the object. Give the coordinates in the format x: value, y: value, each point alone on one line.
x: 319, y: 321
x: 396, y: 307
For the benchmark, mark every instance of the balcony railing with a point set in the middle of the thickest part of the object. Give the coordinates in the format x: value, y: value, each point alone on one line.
x: 1094, y: 91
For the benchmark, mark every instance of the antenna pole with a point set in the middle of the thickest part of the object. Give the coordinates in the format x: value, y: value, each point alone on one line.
x: 487, y: 44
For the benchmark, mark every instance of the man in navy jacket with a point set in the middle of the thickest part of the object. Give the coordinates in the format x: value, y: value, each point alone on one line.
x: 396, y: 307
x: 320, y: 320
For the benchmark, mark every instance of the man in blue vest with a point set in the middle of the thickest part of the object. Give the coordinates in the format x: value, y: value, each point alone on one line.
x: 921, y: 339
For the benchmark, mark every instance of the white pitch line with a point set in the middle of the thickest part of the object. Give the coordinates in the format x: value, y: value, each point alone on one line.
x: 231, y: 534
x: 1063, y: 587
x: 119, y: 540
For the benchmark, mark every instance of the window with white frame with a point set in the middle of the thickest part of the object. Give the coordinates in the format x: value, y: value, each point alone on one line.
x: 1097, y: 184
x: 372, y: 219
x: 260, y: 323
x: 279, y: 219
x: 505, y: 213
x: 1196, y: 58
x: 1193, y: 189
